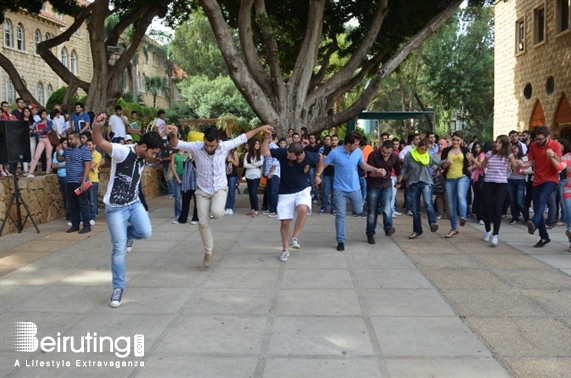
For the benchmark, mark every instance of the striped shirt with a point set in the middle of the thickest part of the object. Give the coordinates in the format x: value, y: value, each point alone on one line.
x: 498, y: 167
x: 74, y: 159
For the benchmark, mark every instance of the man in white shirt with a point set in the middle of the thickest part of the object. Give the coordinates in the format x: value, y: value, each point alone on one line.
x: 160, y: 124
x: 117, y: 125
x: 211, y: 182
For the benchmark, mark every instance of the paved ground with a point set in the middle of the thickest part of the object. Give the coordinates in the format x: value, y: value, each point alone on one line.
x: 431, y: 307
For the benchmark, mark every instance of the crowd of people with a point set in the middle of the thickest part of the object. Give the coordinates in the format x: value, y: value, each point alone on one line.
x: 456, y: 179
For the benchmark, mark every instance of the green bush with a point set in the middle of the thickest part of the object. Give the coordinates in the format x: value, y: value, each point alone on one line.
x: 57, y: 98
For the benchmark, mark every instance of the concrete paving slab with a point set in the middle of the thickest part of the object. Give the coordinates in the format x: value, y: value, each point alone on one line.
x: 318, y: 302
x: 426, y: 337
x: 405, y: 302
x: 445, y: 261
x: 465, y: 279
x: 525, y: 337
x: 321, y: 367
x: 265, y: 260
x: 540, y: 367
x: 35, y: 276
x: 145, y: 300
x: 391, y: 279
x: 242, y: 278
x: 446, y: 368
x: 169, y: 272
x: 560, y: 260
x: 230, y: 302
x: 387, y: 256
x: 316, y: 279
x: 508, y: 261
x: 494, y: 303
x: 546, y: 278
x: 419, y: 246
x: 305, y: 336
x: 557, y: 302
x: 234, y: 335
x: 198, y: 367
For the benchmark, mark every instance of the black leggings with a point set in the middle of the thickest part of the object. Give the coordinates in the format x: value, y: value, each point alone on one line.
x: 494, y: 195
x: 186, y: 197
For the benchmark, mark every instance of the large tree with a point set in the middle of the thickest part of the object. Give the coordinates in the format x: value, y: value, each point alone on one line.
x: 103, y: 89
x: 282, y: 64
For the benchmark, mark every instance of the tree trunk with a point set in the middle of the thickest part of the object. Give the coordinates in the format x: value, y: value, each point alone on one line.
x: 135, y: 79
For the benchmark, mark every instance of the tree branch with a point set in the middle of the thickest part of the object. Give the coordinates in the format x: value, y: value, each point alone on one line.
x: 19, y: 85
x: 115, y: 34
x: 318, y: 77
x: 249, y: 50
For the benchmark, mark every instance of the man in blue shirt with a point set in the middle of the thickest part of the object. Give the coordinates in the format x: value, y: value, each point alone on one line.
x: 346, y: 180
x: 80, y: 120
x: 294, y: 188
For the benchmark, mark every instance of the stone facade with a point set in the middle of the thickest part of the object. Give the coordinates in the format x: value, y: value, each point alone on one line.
x: 44, y: 197
x: 39, y: 77
x: 523, y: 60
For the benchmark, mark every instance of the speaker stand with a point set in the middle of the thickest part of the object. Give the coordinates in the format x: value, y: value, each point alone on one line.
x: 17, y: 200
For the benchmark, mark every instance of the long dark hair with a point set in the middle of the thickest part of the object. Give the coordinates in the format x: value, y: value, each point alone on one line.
x: 252, y: 150
x: 474, y: 145
x: 566, y: 145
x: 504, y: 152
x: 519, y: 153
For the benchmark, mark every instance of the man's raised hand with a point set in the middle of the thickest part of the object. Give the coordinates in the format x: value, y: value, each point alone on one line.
x: 99, y: 121
x: 172, y: 129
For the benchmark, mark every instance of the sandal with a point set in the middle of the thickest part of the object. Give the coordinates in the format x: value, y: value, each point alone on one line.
x: 254, y: 214
x: 250, y: 212
x: 452, y: 233
x: 413, y: 235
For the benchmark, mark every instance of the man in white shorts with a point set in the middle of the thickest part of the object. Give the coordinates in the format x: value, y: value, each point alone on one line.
x: 295, y: 188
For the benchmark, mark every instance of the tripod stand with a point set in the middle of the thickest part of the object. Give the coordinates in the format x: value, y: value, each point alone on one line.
x: 17, y: 200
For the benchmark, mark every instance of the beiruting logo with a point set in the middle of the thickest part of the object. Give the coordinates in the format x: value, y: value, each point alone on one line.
x: 25, y: 340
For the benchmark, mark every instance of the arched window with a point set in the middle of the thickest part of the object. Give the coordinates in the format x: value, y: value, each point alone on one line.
x: 37, y: 38
x: 10, y: 91
x: 20, y: 42
x: 40, y: 93
x: 8, y: 34
x: 48, y: 36
x: 49, y: 91
x: 64, y: 57
x: 73, y: 62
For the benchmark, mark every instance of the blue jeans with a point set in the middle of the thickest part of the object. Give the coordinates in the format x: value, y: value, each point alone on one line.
x: 94, y: 200
x: 253, y: 192
x: 139, y: 228
x: 363, y: 184
x: 327, y: 188
x: 340, y: 201
x: 563, y: 206
x: 394, y: 194
x: 516, y: 193
x: 567, y: 203
x: 176, y: 192
x: 376, y: 198
x: 414, y: 191
x: 312, y: 182
x: 232, y: 180
x: 170, y: 185
x: 456, y: 190
x: 552, y: 207
x: 541, y: 194
x: 273, y: 190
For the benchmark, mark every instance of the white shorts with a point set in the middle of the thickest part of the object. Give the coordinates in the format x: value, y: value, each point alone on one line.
x: 287, y: 203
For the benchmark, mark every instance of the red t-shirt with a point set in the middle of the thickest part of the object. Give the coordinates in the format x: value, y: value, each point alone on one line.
x: 544, y: 169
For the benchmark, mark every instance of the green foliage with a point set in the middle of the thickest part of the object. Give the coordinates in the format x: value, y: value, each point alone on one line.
x: 177, y: 112
x: 57, y: 98
x: 156, y: 84
x: 213, y: 98
x: 196, y: 49
x: 128, y: 97
x: 145, y: 114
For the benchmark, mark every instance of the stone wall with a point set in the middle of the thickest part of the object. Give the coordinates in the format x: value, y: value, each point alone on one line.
x: 44, y: 197
x: 514, y: 70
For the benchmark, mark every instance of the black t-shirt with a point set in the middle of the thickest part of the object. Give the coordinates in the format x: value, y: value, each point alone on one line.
x: 315, y: 149
x: 294, y: 176
x: 330, y: 169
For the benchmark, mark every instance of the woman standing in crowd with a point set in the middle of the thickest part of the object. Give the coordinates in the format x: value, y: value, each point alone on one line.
x: 416, y: 172
x: 42, y: 128
x: 188, y: 188
x: 457, y: 181
x: 439, y: 183
x: 478, y: 182
x: 176, y: 166
x: 497, y: 162
x: 232, y: 162
x: 516, y: 188
x: 253, y: 162
x: 27, y: 116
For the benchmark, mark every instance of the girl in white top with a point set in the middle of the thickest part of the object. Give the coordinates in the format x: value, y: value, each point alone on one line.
x: 253, y: 162
x: 497, y: 162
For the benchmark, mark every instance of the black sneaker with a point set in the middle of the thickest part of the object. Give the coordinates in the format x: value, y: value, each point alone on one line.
x: 433, y: 227
x: 129, y: 244
x: 370, y: 240
x: 85, y: 230
x: 116, y: 296
x: 530, y: 227
x: 340, y: 247
x: 390, y: 231
x: 72, y: 229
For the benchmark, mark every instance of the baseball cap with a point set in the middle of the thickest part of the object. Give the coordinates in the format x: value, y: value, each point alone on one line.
x: 128, y: 137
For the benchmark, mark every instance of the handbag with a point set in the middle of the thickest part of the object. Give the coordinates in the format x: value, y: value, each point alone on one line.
x: 263, y: 181
x: 170, y: 175
x: 53, y: 138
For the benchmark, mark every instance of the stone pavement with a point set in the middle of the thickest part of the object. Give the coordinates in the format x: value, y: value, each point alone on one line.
x: 430, y: 307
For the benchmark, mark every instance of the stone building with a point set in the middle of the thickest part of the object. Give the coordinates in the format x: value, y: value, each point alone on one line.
x: 22, y: 31
x: 532, y: 83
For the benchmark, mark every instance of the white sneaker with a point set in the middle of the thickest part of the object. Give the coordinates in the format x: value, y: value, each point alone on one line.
x: 129, y: 245
x: 92, y: 222
x: 175, y: 221
x: 193, y: 222
x: 481, y: 222
x: 495, y: 240
x: 487, y: 236
x: 226, y: 212
x: 230, y: 212
x: 394, y: 215
x: 397, y: 213
x: 69, y: 224
x: 295, y: 244
x: 30, y: 175
x: 284, y: 255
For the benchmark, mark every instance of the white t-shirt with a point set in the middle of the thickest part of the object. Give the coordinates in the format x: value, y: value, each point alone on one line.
x: 126, y: 171
x: 161, y: 126
x: 58, y: 124
x: 117, y: 126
